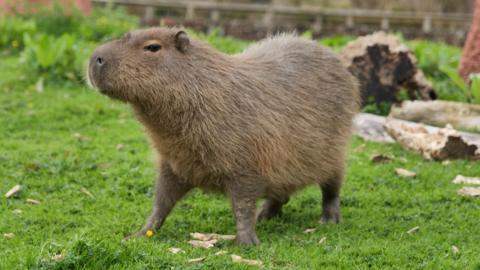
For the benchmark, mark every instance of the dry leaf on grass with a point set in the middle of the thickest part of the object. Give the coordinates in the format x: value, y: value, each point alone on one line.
x: 196, y: 260
x: 17, y: 211
x: 446, y: 162
x: 455, y: 249
x: 211, y: 236
x: 8, y: 236
x: 238, y: 259
x: 120, y: 146
x: 413, y: 230
x: 80, y: 137
x: 203, y: 244
x: 220, y: 253
x: 13, y: 191
x: 380, y: 158
x: 460, y: 179
x: 405, y: 173
x: 469, y: 192
x: 32, y: 201
x: 310, y: 230
x: 86, y: 192
x: 57, y: 257
x: 175, y: 250
x: 322, y: 240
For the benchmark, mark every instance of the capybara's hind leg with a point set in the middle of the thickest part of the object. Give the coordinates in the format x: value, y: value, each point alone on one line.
x: 244, y: 194
x: 168, y: 190
x: 271, y: 208
x: 331, y: 200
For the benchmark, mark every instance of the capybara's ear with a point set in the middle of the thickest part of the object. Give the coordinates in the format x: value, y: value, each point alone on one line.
x: 181, y: 41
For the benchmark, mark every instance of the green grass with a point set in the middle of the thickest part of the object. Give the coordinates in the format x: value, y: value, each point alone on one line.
x: 62, y: 139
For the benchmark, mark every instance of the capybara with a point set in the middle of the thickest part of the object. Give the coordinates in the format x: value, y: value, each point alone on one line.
x: 260, y: 124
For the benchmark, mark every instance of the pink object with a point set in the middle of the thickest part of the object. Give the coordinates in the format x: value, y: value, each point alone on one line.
x: 22, y: 6
x: 470, y: 62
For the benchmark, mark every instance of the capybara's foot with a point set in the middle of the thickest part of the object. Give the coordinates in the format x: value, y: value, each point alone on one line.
x: 135, y: 235
x: 270, y: 208
x: 247, y: 239
x: 332, y: 218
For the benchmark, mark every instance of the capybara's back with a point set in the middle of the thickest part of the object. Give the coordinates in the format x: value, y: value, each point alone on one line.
x: 303, y: 100
x: 260, y: 124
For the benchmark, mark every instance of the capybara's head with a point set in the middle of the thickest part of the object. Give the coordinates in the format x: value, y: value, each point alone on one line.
x: 136, y: 66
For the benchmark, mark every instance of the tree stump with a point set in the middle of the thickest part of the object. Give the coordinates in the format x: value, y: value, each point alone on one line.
x: 470, y: 62
x: 383, y: 66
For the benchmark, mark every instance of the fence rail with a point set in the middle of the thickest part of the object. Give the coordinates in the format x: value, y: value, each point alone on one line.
x: 426, y: 20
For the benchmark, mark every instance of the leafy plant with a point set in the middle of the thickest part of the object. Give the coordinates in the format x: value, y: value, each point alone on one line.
x: 475, y: 87
x: 222, y: 43
x: 12, y: 30
x: 472, y: 91
x: 53, y: 57
x: 336, y: 42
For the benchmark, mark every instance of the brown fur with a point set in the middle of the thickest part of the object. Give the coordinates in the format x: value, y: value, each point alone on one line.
x: 260, y: 124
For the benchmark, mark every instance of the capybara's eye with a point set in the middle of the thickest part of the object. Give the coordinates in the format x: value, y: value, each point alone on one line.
x: 152, y: 47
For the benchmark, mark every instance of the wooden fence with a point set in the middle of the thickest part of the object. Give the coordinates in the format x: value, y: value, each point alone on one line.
x: 426, y: 22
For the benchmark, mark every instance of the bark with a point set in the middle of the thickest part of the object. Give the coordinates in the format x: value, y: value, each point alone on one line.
x: 383, y: 66
x: 432, y: 142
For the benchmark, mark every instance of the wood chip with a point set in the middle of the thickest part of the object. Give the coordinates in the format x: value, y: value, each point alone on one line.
x: 203, y: 244
x: 322, y: 240
x: 57, y: 257
x: 197, y: 260
x: 8, y: 236
x: 220, y: 253
x: 238, y: 259
x: 455, y: 250
x: 13, y: 191
x: 211, y: 236
x: 310, y: 230
x: 413, y: 230
x: 86, y: 192
x: 175, y: 250
x: 460, y: 179
x: 32, y: 201
x: 380, y: 159
x: 405, y: 173
x: 469, y: 192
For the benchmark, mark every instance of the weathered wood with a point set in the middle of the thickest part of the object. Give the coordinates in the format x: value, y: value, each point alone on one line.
x: 442, y: 144
x: 439, y: 113
x: 383, y: 66
x: 371, y: 127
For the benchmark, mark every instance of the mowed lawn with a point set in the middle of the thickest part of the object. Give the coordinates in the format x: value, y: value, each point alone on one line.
x: 67, y: 137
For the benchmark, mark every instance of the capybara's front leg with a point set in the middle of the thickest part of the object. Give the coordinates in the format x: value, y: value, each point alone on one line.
x: 169, y: 189
x: 244, y: 208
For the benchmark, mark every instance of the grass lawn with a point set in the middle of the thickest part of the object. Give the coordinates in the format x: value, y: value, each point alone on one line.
x: 62, y: 139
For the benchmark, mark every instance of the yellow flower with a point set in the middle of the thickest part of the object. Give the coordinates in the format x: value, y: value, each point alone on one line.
x: 149, y: 233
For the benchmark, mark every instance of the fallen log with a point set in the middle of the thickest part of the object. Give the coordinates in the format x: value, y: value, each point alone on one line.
x: 439, y: 113
x: 432, y: 142
x: 442, y: 144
